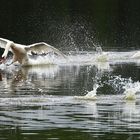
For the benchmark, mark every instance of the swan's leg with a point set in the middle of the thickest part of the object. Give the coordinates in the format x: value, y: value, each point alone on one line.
x: 13, y: 61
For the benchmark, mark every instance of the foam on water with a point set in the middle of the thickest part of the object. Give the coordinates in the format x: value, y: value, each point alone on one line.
x: 103, y: 57
x: 47, y: 59
x: 84, y: 58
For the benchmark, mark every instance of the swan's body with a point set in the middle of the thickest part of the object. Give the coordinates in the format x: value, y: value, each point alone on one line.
x: 21, y: 52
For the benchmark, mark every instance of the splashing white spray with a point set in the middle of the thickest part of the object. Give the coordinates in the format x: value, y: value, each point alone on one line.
x: 129, y: 87
x: 130, y: 90
x: 91, y: 95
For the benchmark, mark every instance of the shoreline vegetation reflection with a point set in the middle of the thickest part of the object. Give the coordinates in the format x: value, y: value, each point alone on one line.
x: 73, y: 25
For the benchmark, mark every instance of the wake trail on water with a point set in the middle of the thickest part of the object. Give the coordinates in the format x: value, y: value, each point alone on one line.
x: 104, y: 57
x: 84, y: 58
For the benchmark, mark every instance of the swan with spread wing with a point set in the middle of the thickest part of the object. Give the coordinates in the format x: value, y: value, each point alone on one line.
x: 21, y: 52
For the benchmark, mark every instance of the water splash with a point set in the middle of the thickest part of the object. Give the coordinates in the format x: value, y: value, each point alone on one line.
x: 103, y: 57
x: 130, y: 90
x: 130, y: 94
x: 100, y: 56
x: 91, y: 95
x: 47, y: 59
x: 125, y: 86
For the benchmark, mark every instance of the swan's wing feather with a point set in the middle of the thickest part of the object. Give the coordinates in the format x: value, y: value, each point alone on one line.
x: 3, y: 42
x: 43, y: 48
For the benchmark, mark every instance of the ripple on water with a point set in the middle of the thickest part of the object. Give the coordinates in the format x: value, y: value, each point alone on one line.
x: 25, y: 101
x: 98, y: 116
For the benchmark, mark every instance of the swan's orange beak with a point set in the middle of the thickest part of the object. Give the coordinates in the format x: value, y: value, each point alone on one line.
x: 2, y: 60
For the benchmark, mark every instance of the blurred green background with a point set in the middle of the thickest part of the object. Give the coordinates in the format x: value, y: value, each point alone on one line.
x: 72, y: 24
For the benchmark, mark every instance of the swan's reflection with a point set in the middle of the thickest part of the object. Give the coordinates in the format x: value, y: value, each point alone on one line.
x: 50, y: 79
x: 25, y: 79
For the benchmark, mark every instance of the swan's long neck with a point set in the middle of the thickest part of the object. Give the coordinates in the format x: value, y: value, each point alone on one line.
x: 20, y: 54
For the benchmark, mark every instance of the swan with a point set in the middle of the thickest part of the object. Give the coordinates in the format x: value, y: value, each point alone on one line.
x: 21, y: 53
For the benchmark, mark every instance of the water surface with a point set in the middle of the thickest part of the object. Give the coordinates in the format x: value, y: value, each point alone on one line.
x: 48, y: 102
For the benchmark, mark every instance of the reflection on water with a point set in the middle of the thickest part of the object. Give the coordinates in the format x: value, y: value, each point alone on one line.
x: 46, y: 78
x: 39, y: 103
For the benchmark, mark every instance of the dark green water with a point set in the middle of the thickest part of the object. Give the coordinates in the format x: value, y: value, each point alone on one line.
x: 40, y: 102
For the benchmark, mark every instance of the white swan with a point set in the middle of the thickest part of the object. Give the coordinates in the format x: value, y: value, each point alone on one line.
x: 21, y: 52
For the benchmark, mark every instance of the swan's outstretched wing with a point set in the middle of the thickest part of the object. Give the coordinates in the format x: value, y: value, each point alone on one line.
x: 3, y: 42
x: 43, y: 48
